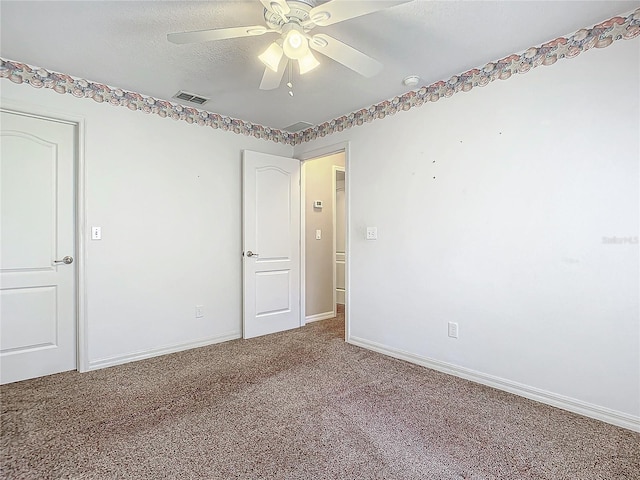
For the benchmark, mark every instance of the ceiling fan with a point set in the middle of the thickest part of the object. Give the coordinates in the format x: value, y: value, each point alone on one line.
x: 293, y: 20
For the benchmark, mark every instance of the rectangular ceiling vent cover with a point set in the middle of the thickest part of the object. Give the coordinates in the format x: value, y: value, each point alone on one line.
x: 296, y: 127
x: 191, y: 97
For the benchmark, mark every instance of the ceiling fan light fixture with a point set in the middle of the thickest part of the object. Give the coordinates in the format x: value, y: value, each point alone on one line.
x: 271, y: 56
x: 307, y: 63
x: 295, y: 45
x: 292, y: 20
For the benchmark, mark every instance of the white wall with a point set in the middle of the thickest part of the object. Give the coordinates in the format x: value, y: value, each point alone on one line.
x: 507, y: 240
x: 168, y: 198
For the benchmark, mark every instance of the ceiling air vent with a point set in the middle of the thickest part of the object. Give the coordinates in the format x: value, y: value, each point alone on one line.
x: 296, y: 127
x: 191, y: 97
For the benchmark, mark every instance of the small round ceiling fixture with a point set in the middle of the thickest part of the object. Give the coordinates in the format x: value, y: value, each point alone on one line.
x: 411, y: 80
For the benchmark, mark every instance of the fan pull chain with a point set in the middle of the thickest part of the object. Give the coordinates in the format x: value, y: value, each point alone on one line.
x: 289, y: 83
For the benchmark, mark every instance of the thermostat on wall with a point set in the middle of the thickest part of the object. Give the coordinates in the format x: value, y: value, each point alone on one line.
x: 317, y: 204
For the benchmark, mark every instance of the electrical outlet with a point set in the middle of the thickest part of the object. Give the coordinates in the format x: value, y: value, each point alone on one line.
x: 199, y: 311
x: 96, y: 233
x: 453, y: 329
x: 318, y: 234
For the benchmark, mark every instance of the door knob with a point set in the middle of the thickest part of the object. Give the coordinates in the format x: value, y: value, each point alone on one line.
x: 251, y: 254
x: 66, y: 260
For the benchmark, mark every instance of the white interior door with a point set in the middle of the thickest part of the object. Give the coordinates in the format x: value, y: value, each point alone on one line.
x: 271, y: 243
x: 37, y: 228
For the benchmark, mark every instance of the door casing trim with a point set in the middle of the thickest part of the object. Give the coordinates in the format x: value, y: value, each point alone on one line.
x: 334, y: 184
x: 304, y: 157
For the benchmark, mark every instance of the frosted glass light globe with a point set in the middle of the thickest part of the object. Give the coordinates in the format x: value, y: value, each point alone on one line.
x: 295, y: 45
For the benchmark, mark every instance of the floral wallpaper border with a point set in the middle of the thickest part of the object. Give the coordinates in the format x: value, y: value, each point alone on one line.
x: 61, y: 83
x: 599, y: 36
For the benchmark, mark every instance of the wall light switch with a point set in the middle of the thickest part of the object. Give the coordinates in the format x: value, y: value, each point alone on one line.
x: 199, y: 311
x: 318, y: 234
x: 96, y: 233
x: 372, y: 233
x: 453, y: 329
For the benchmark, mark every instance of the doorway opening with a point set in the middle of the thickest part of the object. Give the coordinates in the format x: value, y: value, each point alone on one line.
x: 325, y: 236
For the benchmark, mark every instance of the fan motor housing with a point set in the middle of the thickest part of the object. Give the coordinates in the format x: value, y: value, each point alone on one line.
x: 299, y: 13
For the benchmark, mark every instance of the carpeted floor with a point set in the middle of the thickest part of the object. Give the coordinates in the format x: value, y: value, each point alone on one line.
x: 301, y: 404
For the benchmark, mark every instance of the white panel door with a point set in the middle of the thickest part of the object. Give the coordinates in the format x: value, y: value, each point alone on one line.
x: 37, y: 209
x: 271, y: 243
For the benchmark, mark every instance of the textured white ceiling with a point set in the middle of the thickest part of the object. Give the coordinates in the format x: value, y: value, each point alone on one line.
x: 123, y: 44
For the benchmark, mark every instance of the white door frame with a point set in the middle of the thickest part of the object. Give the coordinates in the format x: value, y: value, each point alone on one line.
x: 334, y: 186
x: 304, y: 158
x: 30, y: 110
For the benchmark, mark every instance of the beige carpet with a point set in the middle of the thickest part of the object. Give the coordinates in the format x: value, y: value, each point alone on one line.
x: 297, y: 405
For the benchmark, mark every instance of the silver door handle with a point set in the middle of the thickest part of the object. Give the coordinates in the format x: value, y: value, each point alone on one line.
x: 251, y: 254
x: 66, y: 260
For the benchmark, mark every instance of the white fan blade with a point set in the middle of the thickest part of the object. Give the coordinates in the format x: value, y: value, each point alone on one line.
x: 278, y: 6
x: 339, y: 10
x: 271, y: 79
x: 346, y: 55
x: 217, y: 34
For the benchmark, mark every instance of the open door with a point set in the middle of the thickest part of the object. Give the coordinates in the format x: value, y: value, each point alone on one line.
x: 271, y: 243
x: 37, y: 247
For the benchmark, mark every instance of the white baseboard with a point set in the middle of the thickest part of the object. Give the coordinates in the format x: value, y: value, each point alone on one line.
x: 156, y: 352
x: 319, y: 316
x: 607, y: 415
